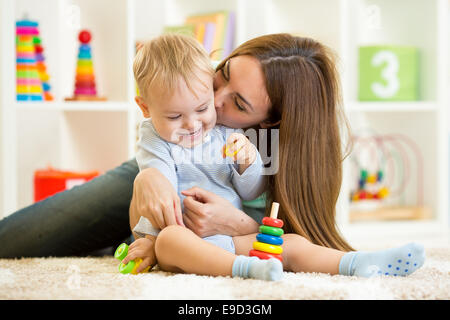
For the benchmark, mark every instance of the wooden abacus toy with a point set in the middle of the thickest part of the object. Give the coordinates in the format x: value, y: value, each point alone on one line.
x: 269, y: 241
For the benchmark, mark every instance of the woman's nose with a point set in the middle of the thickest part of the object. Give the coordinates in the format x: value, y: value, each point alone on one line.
x: 219, y: 96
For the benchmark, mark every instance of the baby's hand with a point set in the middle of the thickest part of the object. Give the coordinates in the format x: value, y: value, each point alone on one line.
x: 241, y: 150
x: 143, y: 248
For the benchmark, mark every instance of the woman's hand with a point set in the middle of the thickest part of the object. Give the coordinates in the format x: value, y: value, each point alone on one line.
x: 143, y: 248
x: 206, y: 214
x: 155, y: 198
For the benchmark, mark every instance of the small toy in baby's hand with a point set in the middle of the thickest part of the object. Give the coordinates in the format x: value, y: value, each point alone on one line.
x: 131, y: 266
x: 269, y: 239
x: 227, y: 153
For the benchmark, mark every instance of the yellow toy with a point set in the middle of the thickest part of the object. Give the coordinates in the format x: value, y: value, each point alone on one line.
x: 227, y: 151
x: 131, y: 266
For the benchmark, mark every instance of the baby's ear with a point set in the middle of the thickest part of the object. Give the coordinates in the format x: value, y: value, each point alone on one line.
x: 143, y: 105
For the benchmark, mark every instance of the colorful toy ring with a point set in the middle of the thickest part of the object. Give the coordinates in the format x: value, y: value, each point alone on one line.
x: 267, y: 238
x: 271, y: 230
x: 277, y: 223
x: 121, y: 251
x: 265, y: 255
x: 127, y: 268
x: 269, y: 248
x: 229, y: 154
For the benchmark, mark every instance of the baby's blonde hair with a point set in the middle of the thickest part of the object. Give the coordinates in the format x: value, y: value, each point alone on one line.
x: 160, y: 63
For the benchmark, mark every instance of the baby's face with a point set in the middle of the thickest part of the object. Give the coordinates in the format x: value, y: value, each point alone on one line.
x: 185, y: 118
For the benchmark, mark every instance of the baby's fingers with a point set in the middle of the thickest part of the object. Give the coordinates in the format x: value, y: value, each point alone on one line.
x: 131, y: 255
x: 144, y: 264
x: 127, y: 259
x: 234, y: 137
x: 233, y: 148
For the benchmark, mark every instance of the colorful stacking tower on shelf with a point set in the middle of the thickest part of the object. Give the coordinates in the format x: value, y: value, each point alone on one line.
x: 28, y: 78
x: 28, y: 83
x: 32, y: 76
x: 269, y: 241
x: 42, y: 69
x: 84, y: 79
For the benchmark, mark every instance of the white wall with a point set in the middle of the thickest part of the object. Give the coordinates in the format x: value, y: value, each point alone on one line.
x: 1, y: 114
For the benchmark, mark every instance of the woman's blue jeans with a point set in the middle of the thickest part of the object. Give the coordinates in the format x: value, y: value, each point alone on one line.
x: 75, y: 222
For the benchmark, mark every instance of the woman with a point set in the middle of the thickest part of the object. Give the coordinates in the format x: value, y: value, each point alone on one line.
x: 270, y: 82
x: 260, y: 84
x: 290, y: 84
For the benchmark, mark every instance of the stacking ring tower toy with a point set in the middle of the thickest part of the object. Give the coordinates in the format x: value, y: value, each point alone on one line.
x: 85, y: 88
x: 31, y: 73
x: 269, y: 241
x: 131, y: 266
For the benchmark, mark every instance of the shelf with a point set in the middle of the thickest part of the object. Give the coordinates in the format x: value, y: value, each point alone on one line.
x: 402, y: 232
x: 401, y: 23
x: 404, y: 106
x: 389, y: 213
x: 113, y: 106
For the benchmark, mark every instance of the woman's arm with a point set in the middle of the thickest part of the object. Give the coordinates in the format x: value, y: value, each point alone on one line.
x: 207, y: 214
x: 154, y: 198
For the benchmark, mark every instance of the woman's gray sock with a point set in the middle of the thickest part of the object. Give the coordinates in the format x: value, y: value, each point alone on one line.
x: 400, y: 261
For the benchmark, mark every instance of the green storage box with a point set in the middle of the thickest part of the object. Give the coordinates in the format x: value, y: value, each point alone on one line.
x: 388, y: 73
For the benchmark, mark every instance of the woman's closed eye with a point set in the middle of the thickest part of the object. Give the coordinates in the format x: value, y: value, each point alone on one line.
x: 238, y: 106
x: 225, y: 72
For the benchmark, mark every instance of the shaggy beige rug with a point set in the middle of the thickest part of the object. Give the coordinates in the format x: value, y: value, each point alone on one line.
x: 98, y: 278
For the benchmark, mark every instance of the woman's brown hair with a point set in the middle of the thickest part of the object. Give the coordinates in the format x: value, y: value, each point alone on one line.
x: 303, y: 86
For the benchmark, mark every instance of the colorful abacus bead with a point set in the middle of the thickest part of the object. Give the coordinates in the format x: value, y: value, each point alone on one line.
x: 131, y: 266
x: 269, y: 241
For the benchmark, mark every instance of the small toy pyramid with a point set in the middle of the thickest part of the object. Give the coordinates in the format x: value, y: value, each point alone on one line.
x: 32, y: 77
x: 269, y: 241
x: 84, y: 79
x: 42, y: 69
x: 28, y: 83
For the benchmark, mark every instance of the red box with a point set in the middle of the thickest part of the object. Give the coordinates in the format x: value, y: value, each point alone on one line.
x: 50, y: 181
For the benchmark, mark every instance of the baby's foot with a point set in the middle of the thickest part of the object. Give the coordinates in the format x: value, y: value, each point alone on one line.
x: 255, y: 268
x: 401, y: 261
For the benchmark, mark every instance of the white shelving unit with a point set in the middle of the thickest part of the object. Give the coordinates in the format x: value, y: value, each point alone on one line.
x: 80, y: 136
x: 100, y: 135
x: 422, y: 24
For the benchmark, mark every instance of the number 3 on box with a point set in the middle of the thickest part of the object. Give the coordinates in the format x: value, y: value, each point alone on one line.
x: 389, y: 73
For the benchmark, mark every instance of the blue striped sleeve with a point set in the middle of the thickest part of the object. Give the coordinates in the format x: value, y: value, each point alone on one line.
x: 154, y: 152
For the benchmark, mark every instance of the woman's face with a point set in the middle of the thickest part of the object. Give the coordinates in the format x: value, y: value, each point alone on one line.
x: 240, y: 94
